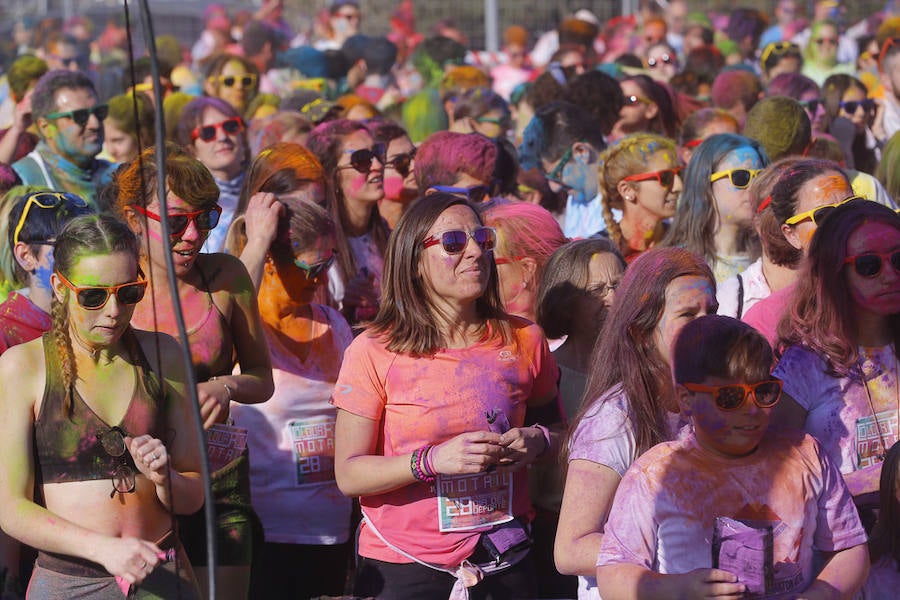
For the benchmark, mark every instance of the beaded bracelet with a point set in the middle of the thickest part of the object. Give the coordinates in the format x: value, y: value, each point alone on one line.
x: 415, y: 465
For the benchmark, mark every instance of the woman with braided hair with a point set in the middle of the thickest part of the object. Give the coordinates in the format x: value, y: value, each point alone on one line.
x: 640, y: 178
x: 89, y: 437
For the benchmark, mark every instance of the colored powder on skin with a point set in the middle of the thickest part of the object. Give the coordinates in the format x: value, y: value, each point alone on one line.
x: 42, y: 277
x: 833, y: 185
x: 359, y: 181
x: 393, y: 188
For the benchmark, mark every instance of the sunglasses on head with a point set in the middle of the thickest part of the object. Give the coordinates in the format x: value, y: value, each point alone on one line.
x: 665, y: 177
x: 740, y: 178
x: 664, y: 59
x: 885, y: 48
x: 361, y: 160
x: 48, y: 200
x: 315, y: 270
x: 95, y: 297
x: 820, y: 212
x: 207, y: 133
x: 868, y: 105
x: 81, y: 115
x: 732, y: 396
x: 777, y: 49
x: 113, y: 443
x: 455, y: 240
x: 204, y: 220
x: 247, y: 81
x: 401, y: 162
x: 475, y: 194
x: 871, y: 263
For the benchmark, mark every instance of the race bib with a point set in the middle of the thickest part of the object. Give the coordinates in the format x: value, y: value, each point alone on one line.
x: 312, y: 441
x: 224, y: 443
x: 868, y: 441
x: 474, y: 501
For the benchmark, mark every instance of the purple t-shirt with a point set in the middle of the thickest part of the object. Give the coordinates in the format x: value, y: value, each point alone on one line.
x: 663, y: 515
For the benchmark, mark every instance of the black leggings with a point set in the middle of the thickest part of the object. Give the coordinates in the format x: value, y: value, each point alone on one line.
x: 392, y: 581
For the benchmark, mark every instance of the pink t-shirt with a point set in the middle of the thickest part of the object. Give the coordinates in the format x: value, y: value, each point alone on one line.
x: 428, y: 400
x: 765, y: 314
x: 665, y: 507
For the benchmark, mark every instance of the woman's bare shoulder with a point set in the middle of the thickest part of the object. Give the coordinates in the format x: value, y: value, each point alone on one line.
x: 224, y: 273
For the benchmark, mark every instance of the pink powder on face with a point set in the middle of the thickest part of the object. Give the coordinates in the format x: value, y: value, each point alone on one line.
x: 359, y: 181
x: 393, y: 187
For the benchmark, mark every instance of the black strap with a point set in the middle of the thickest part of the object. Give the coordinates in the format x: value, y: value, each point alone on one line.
x: 740, y: 303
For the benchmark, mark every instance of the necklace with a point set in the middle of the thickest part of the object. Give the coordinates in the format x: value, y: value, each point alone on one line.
x: 884, y: 448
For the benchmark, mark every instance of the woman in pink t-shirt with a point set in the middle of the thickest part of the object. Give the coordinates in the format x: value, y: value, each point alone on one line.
x: 431, y: 405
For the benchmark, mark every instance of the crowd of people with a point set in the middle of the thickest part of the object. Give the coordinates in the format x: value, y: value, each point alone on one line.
x: 613, y: 312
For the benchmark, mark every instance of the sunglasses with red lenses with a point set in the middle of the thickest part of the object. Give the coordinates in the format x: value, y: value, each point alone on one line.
x: 870, y: 264
x: 205, y: 219
x: 732, y: 396
x: 454, y: 241
x: 207, y: 133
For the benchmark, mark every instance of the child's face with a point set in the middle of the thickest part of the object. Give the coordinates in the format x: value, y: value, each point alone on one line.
x: 726, y: 433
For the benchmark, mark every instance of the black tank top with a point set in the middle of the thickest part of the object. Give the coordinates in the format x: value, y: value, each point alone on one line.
x: 68, y: 446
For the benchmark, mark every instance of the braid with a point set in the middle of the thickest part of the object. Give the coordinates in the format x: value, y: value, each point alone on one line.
x: 628, y: 157
x: 60, y: 332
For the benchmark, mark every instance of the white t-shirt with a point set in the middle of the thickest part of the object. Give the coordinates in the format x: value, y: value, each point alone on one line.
x: 291, y: 440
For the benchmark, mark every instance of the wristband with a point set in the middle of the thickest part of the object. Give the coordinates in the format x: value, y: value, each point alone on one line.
x: 546, y: 433
x: 416, y: 466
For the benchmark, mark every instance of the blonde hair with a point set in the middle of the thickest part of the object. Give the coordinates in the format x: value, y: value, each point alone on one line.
x: 628, y: 157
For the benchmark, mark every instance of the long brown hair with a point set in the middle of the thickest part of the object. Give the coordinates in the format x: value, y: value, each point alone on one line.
x: 325, y: 142
x: 626, y: 352
x: 821, y: 316
x: 885, y: 538
x: 82, y: 236
x: 406, y: 319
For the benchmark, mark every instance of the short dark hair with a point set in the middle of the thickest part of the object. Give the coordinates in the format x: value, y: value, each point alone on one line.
x: 721, y: 346
x: 599, y: 94
x: 43, y: 99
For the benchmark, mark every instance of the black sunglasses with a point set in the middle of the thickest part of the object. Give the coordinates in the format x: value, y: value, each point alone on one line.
x: 475, y: 194
x: 361, y: 160
x: 401, y: 163
x: 95, y: 297
x: 811, y: 105
x: 740, y: 178
x: 207, y: 133
x: 315, y: 270
x: 455, y: 240
x: 868, y: 105
x: 870, y: 264
x: 205, y: 219
x: 732, y: 396
x: 123, y: 478
x: 81, y: 116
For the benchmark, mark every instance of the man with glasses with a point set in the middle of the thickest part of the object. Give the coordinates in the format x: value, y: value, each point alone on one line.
x: 69, y: 120
x: 563, y: 141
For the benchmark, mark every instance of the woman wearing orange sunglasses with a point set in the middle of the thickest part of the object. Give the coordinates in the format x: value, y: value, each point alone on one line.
x: 98, y: 424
